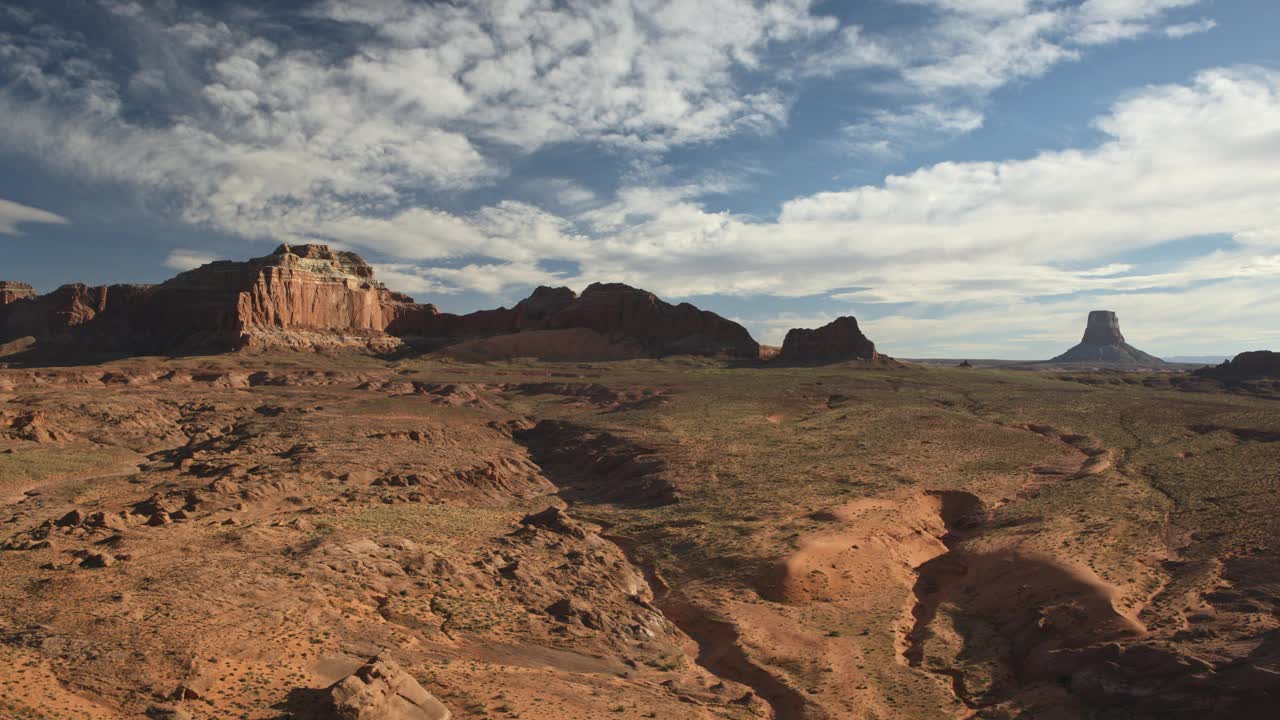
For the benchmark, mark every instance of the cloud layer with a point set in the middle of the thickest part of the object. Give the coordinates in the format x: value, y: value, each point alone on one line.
x: 13, y: 214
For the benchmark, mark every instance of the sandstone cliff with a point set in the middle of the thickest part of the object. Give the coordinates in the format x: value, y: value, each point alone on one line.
x: 11, y: 291
x: 301, y: 296
x: 837, y: 341
x: 311, y: 297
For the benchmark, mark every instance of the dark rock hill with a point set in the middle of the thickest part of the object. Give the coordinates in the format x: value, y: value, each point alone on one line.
x: 837, y: 341
x: 1103, y: 343
x: 1253, y: 364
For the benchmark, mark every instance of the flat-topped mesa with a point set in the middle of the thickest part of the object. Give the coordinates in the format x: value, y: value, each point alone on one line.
x: 1104, y: 344
x: 838, y: 341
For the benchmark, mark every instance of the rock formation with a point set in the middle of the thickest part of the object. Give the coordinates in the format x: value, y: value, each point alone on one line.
x: 1103, y: 343
x: 1256, y: 363
x: 837, y: 341
x: 297, y: 296
x: 618, y: 313
x: 310, y: 297
x: 11, y: 291
x: 382, y: 690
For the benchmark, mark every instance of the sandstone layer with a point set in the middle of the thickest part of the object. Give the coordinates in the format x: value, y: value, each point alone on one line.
x: 219, y: 306
x: 12, y: 291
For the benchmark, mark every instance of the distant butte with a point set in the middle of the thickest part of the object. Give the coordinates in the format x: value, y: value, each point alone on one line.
x: 838, y: 341
x: 1104, y: 344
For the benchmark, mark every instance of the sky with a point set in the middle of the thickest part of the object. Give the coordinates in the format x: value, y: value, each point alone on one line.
x: 969, y: 178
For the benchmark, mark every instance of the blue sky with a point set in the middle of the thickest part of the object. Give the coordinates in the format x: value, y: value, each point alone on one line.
x: 967, y: 177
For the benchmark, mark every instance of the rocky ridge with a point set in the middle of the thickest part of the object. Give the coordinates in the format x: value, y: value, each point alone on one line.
x: 313, y: 297
x: 1256, y: 363
x: 616, y: 312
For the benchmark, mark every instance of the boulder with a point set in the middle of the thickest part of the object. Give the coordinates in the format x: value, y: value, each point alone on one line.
x: 382, y: 690
x: 837, y: 341
x: 97, y: 560
x: 555, y: 520
x: 74, y: 518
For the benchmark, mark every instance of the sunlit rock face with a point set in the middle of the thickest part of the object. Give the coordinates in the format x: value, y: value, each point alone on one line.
x: 299, y: 296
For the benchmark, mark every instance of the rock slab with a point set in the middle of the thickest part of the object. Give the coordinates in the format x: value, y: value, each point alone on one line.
x: 382, y: 690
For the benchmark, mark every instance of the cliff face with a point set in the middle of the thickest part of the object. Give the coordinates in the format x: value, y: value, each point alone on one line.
x: 837, y: 341
x: 11, y: 291
x: 1104, y: 344
x: 310, y: 296
x: 295, y: 297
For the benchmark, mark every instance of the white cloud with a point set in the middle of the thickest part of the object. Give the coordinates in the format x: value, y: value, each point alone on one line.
x: 290, y: 143
x: 13, y: 214
x: 282, y: 143
x: 965, y: 50
x: 623, y: 72
x: 1182, y: 30
x: 182, y: 259
x: 887, y: 132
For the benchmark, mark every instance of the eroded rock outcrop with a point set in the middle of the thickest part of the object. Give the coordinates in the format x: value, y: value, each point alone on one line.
x: 837, y: 341
x: 382, y: 690
x: 1253, y: 364
x: 1103, y: 343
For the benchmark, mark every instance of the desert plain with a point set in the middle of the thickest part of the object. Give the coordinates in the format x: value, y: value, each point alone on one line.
x: 230, y: 536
